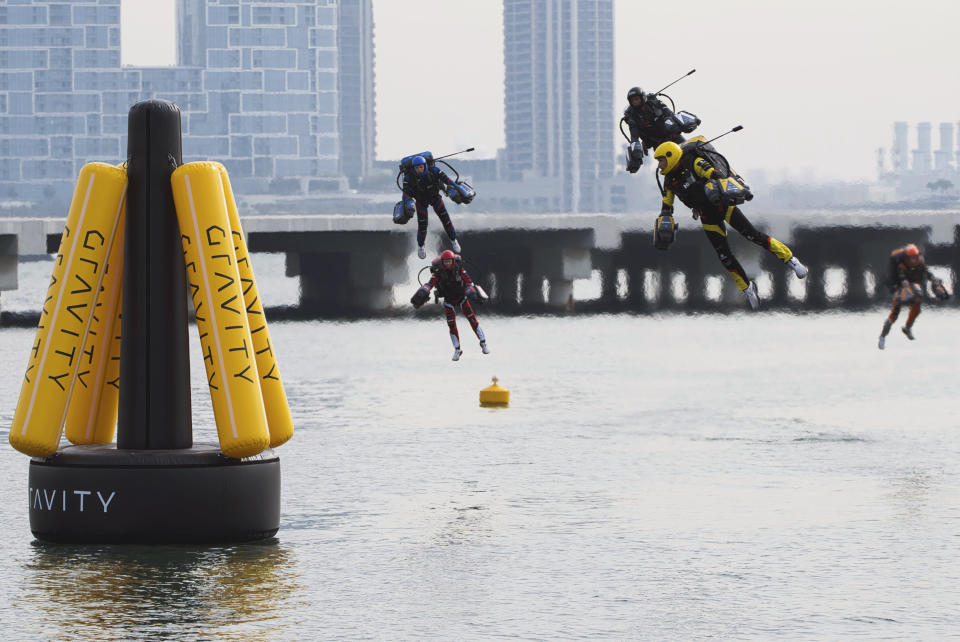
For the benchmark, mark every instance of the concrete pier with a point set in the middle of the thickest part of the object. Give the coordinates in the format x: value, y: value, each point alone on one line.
x: 350, y: 264
x: 341, y: 271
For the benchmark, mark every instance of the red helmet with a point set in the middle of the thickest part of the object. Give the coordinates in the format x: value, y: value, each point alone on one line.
x: 447, y: 254
x: 911, y: 250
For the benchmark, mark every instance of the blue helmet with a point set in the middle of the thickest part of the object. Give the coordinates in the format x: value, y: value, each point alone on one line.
x: 417, y: 160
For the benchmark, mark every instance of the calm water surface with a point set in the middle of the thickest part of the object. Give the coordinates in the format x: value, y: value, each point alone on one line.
x: 735, y: 477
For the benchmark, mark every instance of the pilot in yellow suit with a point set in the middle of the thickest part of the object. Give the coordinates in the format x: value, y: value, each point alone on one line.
x: 691, y: 177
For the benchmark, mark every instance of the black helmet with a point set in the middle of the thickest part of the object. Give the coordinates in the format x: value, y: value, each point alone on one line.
x: 635, y: 91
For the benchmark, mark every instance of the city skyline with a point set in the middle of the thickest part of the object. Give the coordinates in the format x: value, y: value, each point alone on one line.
x: 887, y: 66
x: 816, y: 86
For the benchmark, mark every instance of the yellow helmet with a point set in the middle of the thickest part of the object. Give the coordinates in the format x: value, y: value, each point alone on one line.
x: 670, y: 151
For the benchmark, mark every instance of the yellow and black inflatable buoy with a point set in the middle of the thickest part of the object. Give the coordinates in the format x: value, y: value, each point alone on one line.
x: 494, y: 396
x: 77, y: 280
x: 214, y: 283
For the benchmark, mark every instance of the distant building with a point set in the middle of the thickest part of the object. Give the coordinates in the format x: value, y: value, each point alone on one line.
x: 356, y: 88
x: 931, y: 176
x: 559, y: 111
x: 280, y: 92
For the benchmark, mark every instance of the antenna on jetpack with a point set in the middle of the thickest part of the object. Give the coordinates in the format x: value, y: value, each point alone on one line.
x: 729, y: 131
x: 452, y: 168
x: 462, y: 151
x: 677, y: 80
x: 673, y: 105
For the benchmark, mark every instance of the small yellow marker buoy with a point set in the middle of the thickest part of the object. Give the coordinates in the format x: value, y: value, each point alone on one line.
x: 494, y: 396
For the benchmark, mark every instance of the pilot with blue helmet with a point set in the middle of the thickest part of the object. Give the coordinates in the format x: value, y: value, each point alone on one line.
x: 422, y: 183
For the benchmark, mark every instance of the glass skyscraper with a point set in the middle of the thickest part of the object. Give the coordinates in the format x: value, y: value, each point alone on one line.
x: 281, y: 92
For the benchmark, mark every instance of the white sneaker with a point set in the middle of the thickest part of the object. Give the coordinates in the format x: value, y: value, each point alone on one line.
x: 456, y: 247
x: 456, y: 354
x: 753, y: 297
x: 798, y: 268
x: 422, y: 253
x: 881, y: 342
x: 483, y: 346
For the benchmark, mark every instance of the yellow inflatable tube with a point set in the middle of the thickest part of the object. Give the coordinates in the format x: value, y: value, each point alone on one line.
x: 218, y: 301
x: 279, y: 420
x: 92, y: 413
x: 67, y: 310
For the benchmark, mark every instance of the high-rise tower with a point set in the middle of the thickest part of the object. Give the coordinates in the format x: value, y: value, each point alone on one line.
x: 558, y: 59
x: 357, y: 126
x: 281, y: 92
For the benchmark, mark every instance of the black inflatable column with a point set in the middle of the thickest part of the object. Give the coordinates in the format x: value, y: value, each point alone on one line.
x: 154, y: 410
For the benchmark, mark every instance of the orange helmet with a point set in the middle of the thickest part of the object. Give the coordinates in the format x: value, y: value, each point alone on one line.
x: 911, y: 250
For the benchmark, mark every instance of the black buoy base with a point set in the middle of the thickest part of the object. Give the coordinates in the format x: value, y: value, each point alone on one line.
x: 98, y: 494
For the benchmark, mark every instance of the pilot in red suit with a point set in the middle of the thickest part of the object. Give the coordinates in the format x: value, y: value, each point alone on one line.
x: 454, y: 285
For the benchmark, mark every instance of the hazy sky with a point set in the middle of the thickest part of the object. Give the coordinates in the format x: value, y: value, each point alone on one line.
x: 816, y: 85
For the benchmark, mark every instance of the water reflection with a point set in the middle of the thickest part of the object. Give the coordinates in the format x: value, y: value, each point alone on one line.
x: 239, y: 591
x: 465, y: 521
x: 910, y: 492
